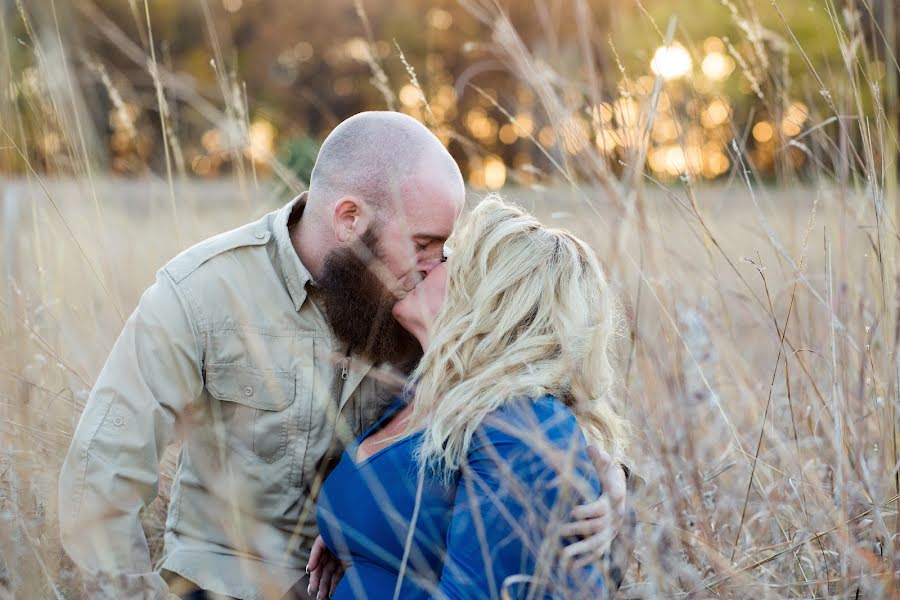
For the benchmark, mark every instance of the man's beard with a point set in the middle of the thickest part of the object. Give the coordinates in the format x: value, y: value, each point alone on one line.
x: 358, y: 306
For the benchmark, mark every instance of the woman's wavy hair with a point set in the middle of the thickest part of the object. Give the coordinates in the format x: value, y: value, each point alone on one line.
x: 528, y: 312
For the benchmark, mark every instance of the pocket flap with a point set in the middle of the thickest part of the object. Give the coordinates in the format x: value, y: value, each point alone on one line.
x: 265, y: 390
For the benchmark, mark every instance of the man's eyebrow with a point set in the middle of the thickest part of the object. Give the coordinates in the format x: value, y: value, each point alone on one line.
x: 435, y: 237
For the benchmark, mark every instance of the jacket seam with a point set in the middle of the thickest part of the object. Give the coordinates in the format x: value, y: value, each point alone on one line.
x: 192, y: 310
x: 226, y: 242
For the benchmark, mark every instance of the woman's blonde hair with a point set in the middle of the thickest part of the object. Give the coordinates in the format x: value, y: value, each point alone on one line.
x: 528, y: 312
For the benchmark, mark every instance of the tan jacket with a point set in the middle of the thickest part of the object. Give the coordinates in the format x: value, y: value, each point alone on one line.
x: 228, y: 349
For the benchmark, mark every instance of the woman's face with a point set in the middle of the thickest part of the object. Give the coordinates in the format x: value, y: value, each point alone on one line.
x: 416, y: 311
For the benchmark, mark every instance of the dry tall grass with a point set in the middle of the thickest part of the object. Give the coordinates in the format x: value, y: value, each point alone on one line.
x: 760, y: 371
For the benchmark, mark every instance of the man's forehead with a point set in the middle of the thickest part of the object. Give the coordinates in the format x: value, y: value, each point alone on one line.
x: 430, y: 210
x: 433, y: 220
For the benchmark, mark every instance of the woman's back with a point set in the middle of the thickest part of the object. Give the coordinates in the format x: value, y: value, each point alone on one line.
x: 526, y: 468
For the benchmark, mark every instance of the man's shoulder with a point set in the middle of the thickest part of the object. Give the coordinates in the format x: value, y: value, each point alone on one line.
x: 257, y: 233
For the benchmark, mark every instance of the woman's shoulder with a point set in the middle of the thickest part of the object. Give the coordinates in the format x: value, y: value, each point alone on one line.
x: 537, y: 439
x: 548, y: 410
x: 531, y: 421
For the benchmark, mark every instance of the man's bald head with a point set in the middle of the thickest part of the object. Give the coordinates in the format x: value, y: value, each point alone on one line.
x: 372, y: 155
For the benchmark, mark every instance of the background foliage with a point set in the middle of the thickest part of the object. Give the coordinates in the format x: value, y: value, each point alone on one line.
x: 312, y: 65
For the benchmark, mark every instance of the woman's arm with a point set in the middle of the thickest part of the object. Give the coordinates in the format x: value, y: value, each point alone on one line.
x: 517, y: 489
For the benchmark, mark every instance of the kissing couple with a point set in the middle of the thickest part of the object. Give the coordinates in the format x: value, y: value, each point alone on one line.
x: 376, y: 397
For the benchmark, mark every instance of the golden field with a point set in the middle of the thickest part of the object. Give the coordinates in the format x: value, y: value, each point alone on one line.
x: 710, y: 279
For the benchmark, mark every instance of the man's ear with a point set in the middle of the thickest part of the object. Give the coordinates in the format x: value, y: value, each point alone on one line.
x: 346, y: 219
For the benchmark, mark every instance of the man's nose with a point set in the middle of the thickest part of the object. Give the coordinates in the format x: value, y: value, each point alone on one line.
x: 427, y: 266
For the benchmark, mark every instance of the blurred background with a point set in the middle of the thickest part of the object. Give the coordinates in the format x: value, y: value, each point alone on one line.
x: 233, y: 85
x: 733, y: 162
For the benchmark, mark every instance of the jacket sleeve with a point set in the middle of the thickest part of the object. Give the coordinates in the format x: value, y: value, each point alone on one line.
x: 111, y: 471
x: 510, y: 500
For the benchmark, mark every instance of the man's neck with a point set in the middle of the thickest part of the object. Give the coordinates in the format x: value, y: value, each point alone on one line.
x: 308, y: 247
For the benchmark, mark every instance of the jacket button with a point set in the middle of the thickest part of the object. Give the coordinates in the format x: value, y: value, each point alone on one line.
x: 248, y: 391
x: 260, y: 235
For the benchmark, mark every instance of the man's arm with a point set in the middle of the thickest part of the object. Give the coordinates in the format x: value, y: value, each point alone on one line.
x: 111, y: 471
x: 598, y: 522
x: 617, y: 560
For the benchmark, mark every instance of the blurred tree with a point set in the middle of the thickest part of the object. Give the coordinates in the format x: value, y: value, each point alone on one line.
x: 299, y: 155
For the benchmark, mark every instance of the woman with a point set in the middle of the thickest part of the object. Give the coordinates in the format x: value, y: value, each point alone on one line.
x: 460, y: 489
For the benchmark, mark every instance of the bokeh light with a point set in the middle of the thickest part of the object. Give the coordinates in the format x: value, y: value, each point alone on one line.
x: 440, y: 19
x: 794, y: 119
x: 671, y: 62
x: 262, y: 141
x: 717, y: 66
x: 717, y: 113
x: 547, y: 137
x: 524, y: 124
x: 494, y: 173
x: 409, y: 95
x: 763, y: 132
x: 508, y: 134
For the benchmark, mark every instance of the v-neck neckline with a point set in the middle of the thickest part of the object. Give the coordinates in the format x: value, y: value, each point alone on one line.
x: 399, y: 404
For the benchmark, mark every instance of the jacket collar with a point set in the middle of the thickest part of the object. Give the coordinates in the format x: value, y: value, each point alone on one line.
x: 293, y: 272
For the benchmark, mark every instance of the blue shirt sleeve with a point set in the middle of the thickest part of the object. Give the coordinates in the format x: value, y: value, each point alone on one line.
x: 524, y: 475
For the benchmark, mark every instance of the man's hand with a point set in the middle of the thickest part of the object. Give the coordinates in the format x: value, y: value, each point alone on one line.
x: 325, y: 570
x: 597, y: 522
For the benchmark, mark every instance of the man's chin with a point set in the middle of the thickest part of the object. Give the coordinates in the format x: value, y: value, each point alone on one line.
x: 402, y: 291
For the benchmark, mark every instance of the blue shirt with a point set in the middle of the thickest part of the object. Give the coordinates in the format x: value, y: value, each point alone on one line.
x: 525, y: 470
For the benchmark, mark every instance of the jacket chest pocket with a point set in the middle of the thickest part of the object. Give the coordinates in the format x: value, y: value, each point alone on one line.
x: 257, y: 406
x: 375, y: 397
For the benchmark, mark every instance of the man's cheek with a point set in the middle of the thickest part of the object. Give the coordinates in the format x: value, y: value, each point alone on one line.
x: 402, y: 262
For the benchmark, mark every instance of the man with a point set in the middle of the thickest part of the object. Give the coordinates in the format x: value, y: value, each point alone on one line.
x: 266, y: 349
